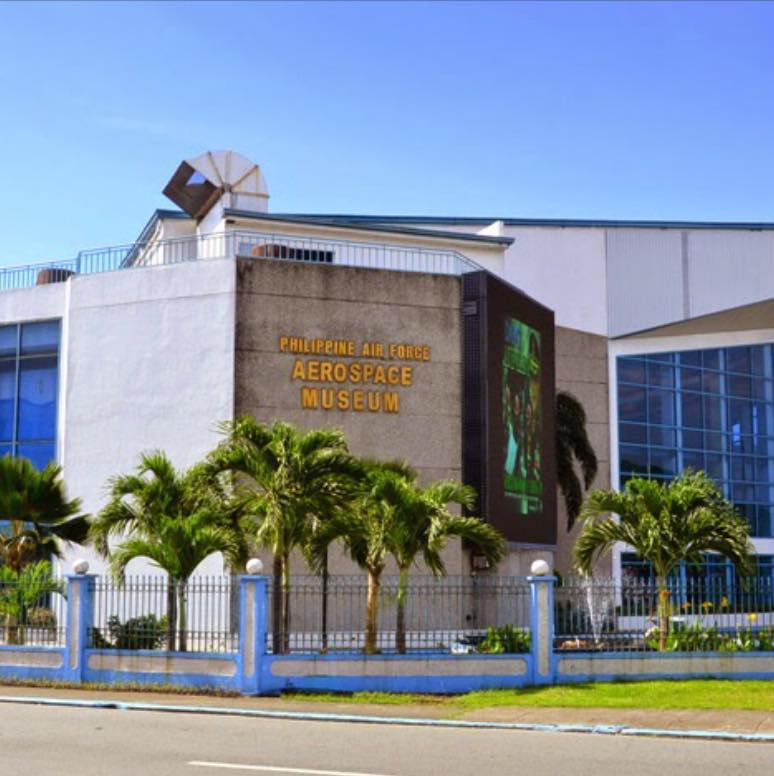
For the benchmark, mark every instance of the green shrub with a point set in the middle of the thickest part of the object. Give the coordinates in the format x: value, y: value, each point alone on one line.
x: 697, y: 638
x: 146, y: 632
x: 506, y: 639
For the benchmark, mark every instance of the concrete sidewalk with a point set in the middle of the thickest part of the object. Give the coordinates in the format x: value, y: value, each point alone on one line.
x: 725, y: 720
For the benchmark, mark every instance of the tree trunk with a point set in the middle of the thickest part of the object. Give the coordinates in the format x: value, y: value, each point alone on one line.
x: 181, y: 615
x: 372, y: 611
x: 324, y: 623
x: 12, y: 629
x: 286, y: 605
x: 171, y: 614
x: 400, y: 625
x: 663, y: 612
x: 276, y: 605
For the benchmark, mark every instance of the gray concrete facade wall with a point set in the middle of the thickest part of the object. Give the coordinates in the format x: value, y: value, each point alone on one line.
x: 582, y: 370
x: 276, y: 299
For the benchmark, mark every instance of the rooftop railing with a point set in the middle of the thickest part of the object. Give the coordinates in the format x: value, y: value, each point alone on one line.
x: 241, y: 244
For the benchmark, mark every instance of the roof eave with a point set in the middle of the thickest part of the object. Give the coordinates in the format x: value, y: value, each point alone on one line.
x: 412, y: 231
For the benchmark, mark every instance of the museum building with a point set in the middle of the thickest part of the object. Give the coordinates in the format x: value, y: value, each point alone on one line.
x: 438, y: 340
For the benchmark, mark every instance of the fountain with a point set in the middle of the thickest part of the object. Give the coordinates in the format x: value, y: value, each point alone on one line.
x: 599, y: 599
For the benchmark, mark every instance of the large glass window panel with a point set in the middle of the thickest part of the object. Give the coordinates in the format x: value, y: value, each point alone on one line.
x: 765, y: 529
x: 661, y: 407
x: 631, y: 404
x: 636, y: 433
x: 635, y: 570
x: 710, y: 382
x: 764, y: 470
x: 662, y: 436
x: 690, y: 358
x: 40, y: 455
x: 631, y: 370
x: 741, y: 444
x: 761, y: 388
x: 7, y: 398
x: 42, y: 337
x: 37, y: 398
x: 634, y: 459
x: 742, y: 493
x: 713, y: 412
x: 763, y: 493
x: 715, y: 441
x: 693, y: 459
x: 661, y: 375
x: 692, y: 439
x: 710, y: 359
x: 742, y: 468
x: 692, y: 414
x: 762, y: 417
x: 738, y: 360
x: 714, y: 466
x: 663, y: 462
x: 739, y: 418
x: 739, y: 385
x: 8, y: 340
x: 760, y: 359
x: 6, y: 450
x: 690, y: 379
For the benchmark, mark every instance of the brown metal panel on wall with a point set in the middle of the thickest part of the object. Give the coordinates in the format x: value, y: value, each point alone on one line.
x: 509, y: 398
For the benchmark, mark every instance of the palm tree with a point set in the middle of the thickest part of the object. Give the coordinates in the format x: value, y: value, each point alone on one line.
x: 41, y: 516
x: 572, y: 444
x: 289, y: 481
x: 423, y: 526
x: 178, y: 545
x: 395, y: 517
x: 174, y: 518
x: 665, y: 524
x: 20, y: 591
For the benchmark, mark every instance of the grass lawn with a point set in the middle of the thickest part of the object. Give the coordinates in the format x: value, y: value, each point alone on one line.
x: 694, y: 694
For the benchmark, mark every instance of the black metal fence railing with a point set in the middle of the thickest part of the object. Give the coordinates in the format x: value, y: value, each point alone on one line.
x: 33, y: 614
x: 450, y: 613
x: 150, y: 612
x: 684, y: 615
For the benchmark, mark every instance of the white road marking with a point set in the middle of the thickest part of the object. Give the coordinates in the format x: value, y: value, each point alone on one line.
x: 276, y: 769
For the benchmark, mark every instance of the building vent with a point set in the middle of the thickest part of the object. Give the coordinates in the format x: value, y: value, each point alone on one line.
x: 218, y: 176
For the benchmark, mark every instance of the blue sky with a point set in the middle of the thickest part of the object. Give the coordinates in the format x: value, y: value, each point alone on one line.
x: 604, y: 110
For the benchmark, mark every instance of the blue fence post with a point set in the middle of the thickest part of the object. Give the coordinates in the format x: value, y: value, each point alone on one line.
x: 253, y: 591
x: 541, y: 621
x: 80, y: 612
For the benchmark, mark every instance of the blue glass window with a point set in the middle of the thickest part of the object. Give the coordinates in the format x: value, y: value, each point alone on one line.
x: 7, y: 398
x: 37, y: 398
x: 40, y: 455
x: 703, y: 409
x: 711, y: 580
x: 29, y: 386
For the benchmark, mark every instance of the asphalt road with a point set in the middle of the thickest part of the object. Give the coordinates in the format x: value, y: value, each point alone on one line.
x: 105, y: 742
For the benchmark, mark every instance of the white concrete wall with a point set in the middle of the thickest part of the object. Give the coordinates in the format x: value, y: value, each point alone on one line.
x: 644, y: 278
x: 33, y: 304
x: 662, y: 276
x: 564, y: 269
x: 619, y: 280
x: 148, y: 363
x: 729, y: 269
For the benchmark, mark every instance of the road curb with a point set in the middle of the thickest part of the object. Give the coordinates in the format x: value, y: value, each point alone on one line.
x: 623, y: 730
